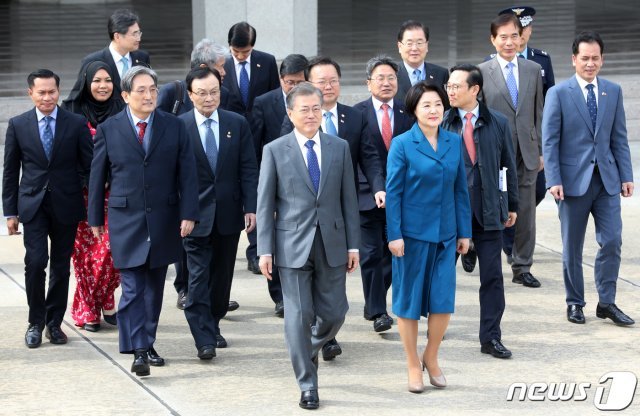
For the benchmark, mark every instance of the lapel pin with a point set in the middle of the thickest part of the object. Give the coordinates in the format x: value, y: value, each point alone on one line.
x: 401, y: 112
x: 342, y: 115
x: 228, y: 135
x: 431, y: 76
x: 604, y: 93
x: 258, y: 65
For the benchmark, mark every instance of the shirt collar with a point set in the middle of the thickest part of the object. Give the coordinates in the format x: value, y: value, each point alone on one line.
x: 334, y: 111
x: 583, y: 83
x: 40, y: 115
x: 377, y: 103
x: 136, y: 120
x: 201, y: 118
x: 116, y: 56
x: 503, y: 63
x: 410, y: 69
x: 248, y: 60
x: 301, y: 139
x: 475, y: 112
x: 525, y: 52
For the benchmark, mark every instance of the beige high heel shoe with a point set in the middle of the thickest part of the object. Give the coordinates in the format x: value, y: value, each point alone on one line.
x: 437, y: 381
x: 416, y: 386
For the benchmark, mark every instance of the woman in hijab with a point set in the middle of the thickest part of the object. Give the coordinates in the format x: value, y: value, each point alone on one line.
x: 96, y: 276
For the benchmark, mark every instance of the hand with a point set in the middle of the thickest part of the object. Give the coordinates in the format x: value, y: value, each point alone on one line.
x: 249, y: 222
x: 97, y: 231
x: 557, y: 192
x: 380, y: 198
x: 186, y: 226
x: 396, y: 247
x: 541, y: 167
x: 352, y: 261
x: 12, y: 225
x: 627, y: 189
x: 266, y: 266
x: 511, y: 220
x: 462, y: 246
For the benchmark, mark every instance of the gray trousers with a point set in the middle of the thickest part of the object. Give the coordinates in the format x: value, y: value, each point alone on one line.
x: 315, y: 301
x: 525, y: 234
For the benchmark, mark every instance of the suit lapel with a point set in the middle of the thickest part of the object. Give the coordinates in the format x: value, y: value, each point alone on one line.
x: 279, y: 106
x: 233, y: 87
x: 194, y: 133
x: 501, y: 83
x: 327, y: 149
x: 603, y: 104
x: 61, y: 124
x: 525, y: 83
x: 581, y: 104
x: 293, y: 150
x: 256, y: 69
x: 157, y: 132
x: 128, y: 133
x: 342, y: 123
x: 423, y: 146
x: 35, y: 133
x: 115, y: 75
x: 227, y: 134
x: 372, y: 120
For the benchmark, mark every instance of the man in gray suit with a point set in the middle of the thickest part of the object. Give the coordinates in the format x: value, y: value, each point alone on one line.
x: 588, y: 166
x: 513, y: 86
x: 308, y: 216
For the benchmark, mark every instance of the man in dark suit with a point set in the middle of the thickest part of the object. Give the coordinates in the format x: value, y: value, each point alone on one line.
x: 148, y: 159
x: 123, y: 51
x: 386, y: 118
x: 269, y: 111
x: 308, y: 211
x: 49, y: 145
x: 413, y: 45
x: 250, y: 73
x: 588, y: 167
x: 492, y: 193
x: 228, y: 182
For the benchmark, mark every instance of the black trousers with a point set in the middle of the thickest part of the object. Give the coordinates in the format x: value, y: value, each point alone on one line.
x: 274, y: 286
x: 47, y: 309
x: 181, y: 281
x: 375, y: 261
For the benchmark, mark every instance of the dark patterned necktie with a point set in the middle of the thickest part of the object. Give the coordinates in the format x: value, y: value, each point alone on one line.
x: 47, y: 137
x: 312, y: 165
x: 592, y: 105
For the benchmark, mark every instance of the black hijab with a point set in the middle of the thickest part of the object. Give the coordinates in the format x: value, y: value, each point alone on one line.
x: 81, y: 101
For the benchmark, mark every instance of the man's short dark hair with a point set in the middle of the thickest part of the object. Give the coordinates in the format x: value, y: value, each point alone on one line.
x: 242, y: 35
x: 587, y: 37
x: 324, y: 60
x: 120, y: 22
x: 294, y: 63
x: 415, y: 94
x: 303, y: 89
x: 504, y: 20
x: 42, y: 73
x: 412, y: 25
x: 378, y: 60
x: 201, y: 72
x: 474, y: 77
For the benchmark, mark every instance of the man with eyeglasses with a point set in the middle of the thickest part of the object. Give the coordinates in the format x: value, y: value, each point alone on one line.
x: 269, y: 112
x: 123, y: 52
x: 413, y: 46
x: 148, y: 160
x: 351, y: 125
x: 228, y: 182
x: 386, y: 118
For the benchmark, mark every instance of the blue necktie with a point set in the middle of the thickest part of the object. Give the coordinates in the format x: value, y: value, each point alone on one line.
x: 244, y: 84
x: 47, y: 137
x: 329, y: 126
x: 312, y: 165
x: 125, y: 65
x: 511, y: 85
x: 210, y: 146
x: 417, y: 76
x: 592, y: 105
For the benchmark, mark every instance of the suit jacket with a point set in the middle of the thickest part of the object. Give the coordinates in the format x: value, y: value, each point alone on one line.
x: 264, y: 78
x: 525, y: 122
x: 402, y: 121
x: 167, y: 98
x: 285, y: 190
x: 228, y: 193
x: 572, y: 146
x: 150, y: 193
x: 433, y: 73
x: 23, y: 151
x: 352, y: 127
x: 269, y: 112
x: 427, y: 197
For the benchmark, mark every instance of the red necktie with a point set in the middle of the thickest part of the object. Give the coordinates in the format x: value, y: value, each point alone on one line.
x: 142, y: 126
x: 468, y: 137
x: 386, y: 126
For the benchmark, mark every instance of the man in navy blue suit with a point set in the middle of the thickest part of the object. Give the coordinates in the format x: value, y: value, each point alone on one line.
x: 48, y: 144
x: 148, y: 160
x: 386, y: 118
x: 228, y: 186
x: 588, y: 166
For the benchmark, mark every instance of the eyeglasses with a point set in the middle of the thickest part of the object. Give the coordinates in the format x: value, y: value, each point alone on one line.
x: 306, y: 110
x: 137, y: 34
x: 418, y: 44
x: 144, y: 91
x: 291, y: 83
x: 380, y: 79
x: 322, y: 83
x: 452, y: 87
x: 205, y: 94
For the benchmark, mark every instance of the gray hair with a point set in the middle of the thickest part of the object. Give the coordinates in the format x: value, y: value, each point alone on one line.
x: 378, y: 60
x: 302, y: 89
x: 127, y: 79
x: 208, y: 52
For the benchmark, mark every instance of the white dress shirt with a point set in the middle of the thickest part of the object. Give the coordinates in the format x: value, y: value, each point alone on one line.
x: 316, y: 147
x: 238, y: 67
x: 202, y: 127
x: 117, y: 58
x: 377, y: 105
x: 503, y: 65
x: 334, y: 119
x: 583, y: 87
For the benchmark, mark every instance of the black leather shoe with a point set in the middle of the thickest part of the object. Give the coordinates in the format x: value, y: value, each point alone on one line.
x: 220, y: 341
x: 279, y: 309
x: 91, y: 327
x: 382, y: 323
x: 331, y: 349
x: 154, y: 359
x: 309, y: 400
x: 206, y: 352
x: 575, y: 314
x: 33, y: 336
x: 253, y: 267
x: 111, y: 319
x: 526, y: 279
x: 182, y: 300
x: 469, y: 260
x: 140, y: 364
x: 233, y: 305
x: 614, y: 313
x: 55, y: 335
x: 495, y: 348
x: 509, y: 259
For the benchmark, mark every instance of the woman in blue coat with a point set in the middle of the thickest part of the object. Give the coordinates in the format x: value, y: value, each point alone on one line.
x: 428, y: 220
